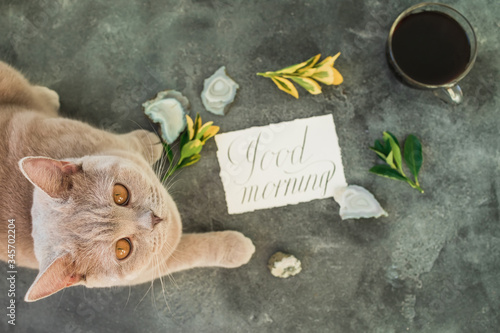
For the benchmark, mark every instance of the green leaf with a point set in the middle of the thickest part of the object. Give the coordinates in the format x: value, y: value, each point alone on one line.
x: 381, y: 150
x: 390, y: 152
x: 308, y: 84
x: 184, y: 138
x: 320, y: 74
x: 378, y: 146
x: 324, y: 75
x: 210, y: 133
x: 413, y: 155
x: 312, y: 61
x: 286, y: 86
x: 191, y: 148
x: 381, y: 155
x: 170, y: 154
x: 388, y: 135
x: 203, y: 129
x: 390, y: 160
x: 303, y: 65
x: 266, y: 74
x: 329, y: 61
x: 197, y: 124
x: 387, y: 171
x: 306, y: 72
x: 396, y: 151
x: 189, y: 161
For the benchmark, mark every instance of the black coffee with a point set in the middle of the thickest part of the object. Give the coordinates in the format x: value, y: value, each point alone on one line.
x: 431, y: 47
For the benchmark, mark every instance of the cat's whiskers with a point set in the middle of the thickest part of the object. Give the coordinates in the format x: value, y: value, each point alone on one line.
x: 170, y: 276
x: 165, y: 271
x: 171, y: 166
x: 171, y: 181
x: 156, y: 272
x: 160, y: 164
x: 142, y: 128
x: 128, y: 297
x: 60, y: 299
x: 165, y: 266
x: 161, y: 281
x: 171, y: 251
x: 153, y: 298
x: 172, y: 184
x: 147, y: 291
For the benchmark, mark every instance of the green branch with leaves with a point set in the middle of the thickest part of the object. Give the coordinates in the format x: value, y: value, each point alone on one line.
x: 306, y: 74
x: 389, y: 151
x: 191, y: 143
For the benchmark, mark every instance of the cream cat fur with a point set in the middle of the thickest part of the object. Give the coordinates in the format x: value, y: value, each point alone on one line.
x: 57, y: 177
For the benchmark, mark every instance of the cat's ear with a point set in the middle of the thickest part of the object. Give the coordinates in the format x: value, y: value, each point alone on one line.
x: 51, y: 176
x: 58, y: 275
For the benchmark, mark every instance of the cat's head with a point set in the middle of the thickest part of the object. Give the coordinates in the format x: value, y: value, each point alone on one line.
x: 98, y: 221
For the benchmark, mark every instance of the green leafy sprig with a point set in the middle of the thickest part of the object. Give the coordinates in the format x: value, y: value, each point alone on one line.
x: 390, y: 153
x: 191, y: 143
x: 306, y: 74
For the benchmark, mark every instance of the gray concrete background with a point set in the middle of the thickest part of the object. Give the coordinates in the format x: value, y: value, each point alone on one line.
x: 433, y: 265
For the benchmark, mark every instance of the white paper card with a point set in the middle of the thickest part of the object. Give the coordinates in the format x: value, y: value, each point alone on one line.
x: 280, y: 164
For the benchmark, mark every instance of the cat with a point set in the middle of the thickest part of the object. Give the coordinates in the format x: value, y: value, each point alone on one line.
x: 87, y: 206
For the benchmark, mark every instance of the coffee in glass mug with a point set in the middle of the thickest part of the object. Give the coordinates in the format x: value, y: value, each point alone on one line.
x: 432, y: 46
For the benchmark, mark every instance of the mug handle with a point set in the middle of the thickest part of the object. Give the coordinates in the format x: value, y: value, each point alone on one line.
x: 451, y: 95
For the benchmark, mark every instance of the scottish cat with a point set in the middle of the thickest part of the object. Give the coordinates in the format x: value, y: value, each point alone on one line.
x: 88, y: 207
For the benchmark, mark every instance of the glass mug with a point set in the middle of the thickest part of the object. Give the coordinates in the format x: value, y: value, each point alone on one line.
x: 432, y: 46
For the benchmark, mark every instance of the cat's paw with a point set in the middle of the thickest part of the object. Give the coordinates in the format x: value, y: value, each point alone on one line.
x: 151, y: 147
x: 48, y: 98
x: 236, y: 250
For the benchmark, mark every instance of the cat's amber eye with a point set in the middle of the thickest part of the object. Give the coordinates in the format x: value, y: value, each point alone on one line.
x: 120, y: 195
x: 122, y: 248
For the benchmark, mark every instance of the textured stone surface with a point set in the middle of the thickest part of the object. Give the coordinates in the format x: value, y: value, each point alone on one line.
x: 433, y: 265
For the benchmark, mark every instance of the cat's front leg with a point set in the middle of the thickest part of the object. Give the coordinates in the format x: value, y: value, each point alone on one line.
x: 220, y: 249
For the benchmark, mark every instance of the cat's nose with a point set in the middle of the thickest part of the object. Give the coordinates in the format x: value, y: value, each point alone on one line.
x: 155, y: 219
